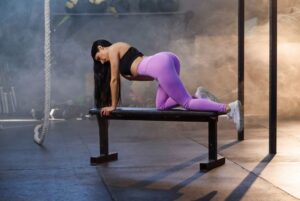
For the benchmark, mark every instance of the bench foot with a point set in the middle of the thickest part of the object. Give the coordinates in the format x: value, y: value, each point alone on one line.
x: 103, y: 158
x: 205, y: 167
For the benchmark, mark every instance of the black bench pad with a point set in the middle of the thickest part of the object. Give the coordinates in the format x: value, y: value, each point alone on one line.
x: 152, y: 114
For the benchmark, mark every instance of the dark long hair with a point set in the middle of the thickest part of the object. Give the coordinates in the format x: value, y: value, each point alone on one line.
x: 102, y: 77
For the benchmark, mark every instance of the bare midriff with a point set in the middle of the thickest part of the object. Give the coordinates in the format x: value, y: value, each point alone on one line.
x: 134, y: 65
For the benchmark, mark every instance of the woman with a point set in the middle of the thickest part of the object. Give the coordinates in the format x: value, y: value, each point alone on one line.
x: 111, y: 60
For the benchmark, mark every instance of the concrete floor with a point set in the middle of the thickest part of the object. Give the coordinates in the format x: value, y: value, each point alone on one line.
x: 157, y: 161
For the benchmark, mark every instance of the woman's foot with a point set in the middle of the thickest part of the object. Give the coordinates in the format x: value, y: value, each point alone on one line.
x: 204, y: 93
x: 235, y: 114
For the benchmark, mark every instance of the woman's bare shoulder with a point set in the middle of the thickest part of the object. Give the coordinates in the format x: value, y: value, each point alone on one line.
x: 121, y: 45
x: 120, y: 48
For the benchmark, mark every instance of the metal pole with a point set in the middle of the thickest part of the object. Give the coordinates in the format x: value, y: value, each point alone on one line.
x: 273, y: 79
x: 241, y: 57
x: 6, y: 110
x: 2, y: 99
x: 14, y: 97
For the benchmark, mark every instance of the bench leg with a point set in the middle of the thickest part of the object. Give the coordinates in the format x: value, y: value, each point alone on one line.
x: 105, y: 156
x: 214, y: 161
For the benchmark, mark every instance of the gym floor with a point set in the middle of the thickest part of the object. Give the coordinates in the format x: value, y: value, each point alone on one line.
x: 157, y: 161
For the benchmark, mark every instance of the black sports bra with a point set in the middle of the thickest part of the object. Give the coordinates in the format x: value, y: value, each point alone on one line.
x: 128, y: 58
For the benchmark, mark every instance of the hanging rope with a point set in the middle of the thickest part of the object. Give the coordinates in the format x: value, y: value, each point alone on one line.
x: 41, y: 130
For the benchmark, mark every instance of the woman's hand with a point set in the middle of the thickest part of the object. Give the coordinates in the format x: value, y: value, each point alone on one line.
x: 107, y: 110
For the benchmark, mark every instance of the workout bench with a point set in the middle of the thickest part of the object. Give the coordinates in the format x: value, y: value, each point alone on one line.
x: 152, y: 114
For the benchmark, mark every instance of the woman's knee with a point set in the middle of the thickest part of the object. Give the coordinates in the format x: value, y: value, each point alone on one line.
x: 160, y: 106
x: 186, y: 103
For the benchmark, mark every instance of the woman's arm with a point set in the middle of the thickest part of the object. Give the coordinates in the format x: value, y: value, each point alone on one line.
x: 115, y: 77
x: 114, y: 81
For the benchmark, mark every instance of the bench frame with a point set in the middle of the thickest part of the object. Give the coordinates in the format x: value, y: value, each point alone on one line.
x: 151, y: 114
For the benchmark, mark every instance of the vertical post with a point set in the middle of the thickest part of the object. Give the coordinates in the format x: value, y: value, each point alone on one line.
x: 241, y: 57
x: 103, y: 135
x: 212, y: 140
x: 214, y: 161
x: 105, y: 156
x: 273, y: 79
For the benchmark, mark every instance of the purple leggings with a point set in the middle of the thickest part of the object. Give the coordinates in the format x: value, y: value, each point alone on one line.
x: 165, y: 67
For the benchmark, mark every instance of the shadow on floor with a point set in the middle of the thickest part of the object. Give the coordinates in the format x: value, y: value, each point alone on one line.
x: 240, y: 190
x: 179, y: 167
x: 208, y: 197
x: 170, y: 171
x: 140, y: 188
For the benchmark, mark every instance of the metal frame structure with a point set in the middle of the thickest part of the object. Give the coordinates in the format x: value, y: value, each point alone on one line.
x: 241, y: 57
x: 273, y: 79
x: 273, y: 69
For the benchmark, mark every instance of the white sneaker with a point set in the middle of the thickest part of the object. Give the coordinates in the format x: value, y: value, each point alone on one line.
x: 204, y: 93
x: 235, y: 114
